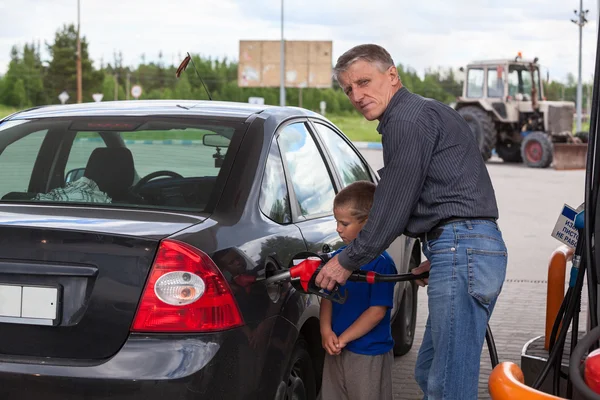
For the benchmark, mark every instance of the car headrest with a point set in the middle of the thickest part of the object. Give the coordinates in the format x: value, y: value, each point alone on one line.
x: 112, y: 169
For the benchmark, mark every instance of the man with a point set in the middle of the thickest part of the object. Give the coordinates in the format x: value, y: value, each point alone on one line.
x: 434, y: 186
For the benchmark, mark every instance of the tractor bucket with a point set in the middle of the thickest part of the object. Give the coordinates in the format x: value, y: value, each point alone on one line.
x: 570, y: 155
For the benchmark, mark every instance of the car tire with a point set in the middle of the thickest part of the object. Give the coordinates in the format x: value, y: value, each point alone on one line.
x: 404, y: 325
x: 300, y: 383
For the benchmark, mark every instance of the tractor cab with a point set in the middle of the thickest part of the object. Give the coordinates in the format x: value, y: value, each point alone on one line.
x: 503, y: 81
x: 503, y: 102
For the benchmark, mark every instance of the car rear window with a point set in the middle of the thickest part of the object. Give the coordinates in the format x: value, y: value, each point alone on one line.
x: 147, y: 162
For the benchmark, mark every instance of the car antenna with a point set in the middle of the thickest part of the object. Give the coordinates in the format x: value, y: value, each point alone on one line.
x: 184, y: 65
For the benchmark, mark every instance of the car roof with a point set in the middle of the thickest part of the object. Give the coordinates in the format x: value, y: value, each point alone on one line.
x: 163, y: 107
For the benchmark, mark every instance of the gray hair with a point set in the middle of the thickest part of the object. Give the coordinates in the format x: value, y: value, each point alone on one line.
x: 371, y: 53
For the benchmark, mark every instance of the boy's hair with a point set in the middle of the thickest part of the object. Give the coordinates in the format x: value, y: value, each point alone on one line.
x: 358, y: 197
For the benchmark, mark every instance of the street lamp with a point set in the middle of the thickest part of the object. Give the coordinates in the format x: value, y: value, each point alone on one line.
x: 79, y: 83
x: 282, y: 65
x: 580, y: 21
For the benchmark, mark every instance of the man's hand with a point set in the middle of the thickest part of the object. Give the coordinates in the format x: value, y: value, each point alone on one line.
x: 331, y: 273
x: 423, y: 267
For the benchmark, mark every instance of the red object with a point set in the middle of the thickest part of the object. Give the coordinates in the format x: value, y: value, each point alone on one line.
x: 591, y: 373
x: 371, y: 277
x: 215, y: 310
x: 305, y: 270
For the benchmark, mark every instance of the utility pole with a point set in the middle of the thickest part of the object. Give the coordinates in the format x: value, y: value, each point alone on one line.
x: 116, y: 76
x: 588, y: 107
x: 127, y: 86
x: 580, y: 21
x: 79, y: 79
x: 282, y: 65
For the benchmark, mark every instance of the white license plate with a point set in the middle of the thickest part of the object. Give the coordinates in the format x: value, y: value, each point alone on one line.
x: 28, y: 304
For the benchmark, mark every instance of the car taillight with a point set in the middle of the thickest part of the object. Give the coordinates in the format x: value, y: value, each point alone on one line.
x: 185, y: 292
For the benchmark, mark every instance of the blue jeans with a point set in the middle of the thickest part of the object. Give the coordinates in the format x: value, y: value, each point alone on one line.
x: 468, y: 267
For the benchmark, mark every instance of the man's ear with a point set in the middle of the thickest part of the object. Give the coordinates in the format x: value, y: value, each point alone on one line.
x: 393, y: 75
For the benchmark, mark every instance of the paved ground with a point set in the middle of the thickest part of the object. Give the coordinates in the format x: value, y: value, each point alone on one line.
x: 530, y: 202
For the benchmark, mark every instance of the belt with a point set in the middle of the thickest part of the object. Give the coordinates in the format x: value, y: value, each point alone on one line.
x: 437, y: 230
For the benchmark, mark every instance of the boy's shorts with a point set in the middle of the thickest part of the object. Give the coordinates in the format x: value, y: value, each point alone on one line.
x: 350, y: 376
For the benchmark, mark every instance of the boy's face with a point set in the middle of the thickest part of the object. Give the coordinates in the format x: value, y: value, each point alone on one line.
x: 347, y: 225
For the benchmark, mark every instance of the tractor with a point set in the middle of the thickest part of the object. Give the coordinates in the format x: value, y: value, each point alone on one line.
x: 503, y: 102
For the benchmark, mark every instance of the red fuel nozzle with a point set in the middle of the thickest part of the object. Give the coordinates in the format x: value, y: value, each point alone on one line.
x: 305, y: 270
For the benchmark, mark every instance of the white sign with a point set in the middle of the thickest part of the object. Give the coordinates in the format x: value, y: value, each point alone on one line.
x: 63, y: 97
x: 564, y: 230
x: 256, y: 100
x: 136, y: 91
x: 322, y: 104
x: 98, y: 97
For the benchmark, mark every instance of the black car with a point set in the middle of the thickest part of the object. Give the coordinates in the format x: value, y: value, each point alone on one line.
x: 134, y: 242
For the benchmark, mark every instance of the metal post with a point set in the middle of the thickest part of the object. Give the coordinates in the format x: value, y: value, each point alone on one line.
x: 79, y: 78
x: 579, y: 92
x: 282, y: 65
x: 580, y: 22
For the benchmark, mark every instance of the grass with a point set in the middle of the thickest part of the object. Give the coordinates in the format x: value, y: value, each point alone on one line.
x: 5, y: 110
x: 357, y: 128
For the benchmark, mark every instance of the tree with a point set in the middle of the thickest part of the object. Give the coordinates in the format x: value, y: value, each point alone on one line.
x: 62, y: 72
x: 23, y: 85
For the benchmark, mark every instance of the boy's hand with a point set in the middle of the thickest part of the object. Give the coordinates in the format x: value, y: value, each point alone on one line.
x: 331, y: 343
x: 342, y: 342
x: 423, y: 267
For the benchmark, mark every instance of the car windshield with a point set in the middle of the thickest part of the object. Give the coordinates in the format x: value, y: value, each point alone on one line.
x: 147, y: 162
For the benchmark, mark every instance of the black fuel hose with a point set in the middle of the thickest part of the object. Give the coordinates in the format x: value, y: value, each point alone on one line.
x: 373, y: 277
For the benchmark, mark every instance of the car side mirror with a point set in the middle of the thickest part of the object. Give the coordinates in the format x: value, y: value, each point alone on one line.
x: 74, y: 174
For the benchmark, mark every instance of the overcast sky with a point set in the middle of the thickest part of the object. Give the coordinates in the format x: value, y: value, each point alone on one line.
x: 419, y: 34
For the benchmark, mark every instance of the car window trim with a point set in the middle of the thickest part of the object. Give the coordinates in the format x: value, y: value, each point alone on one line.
x: 326, y: 154
x: 275, y: 142
x: 295, y: 208
x: 315, y: 121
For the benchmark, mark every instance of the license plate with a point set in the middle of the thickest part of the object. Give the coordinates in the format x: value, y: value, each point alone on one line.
x: 35, y: 305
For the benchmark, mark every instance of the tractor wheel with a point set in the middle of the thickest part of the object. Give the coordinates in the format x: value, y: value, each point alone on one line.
x: 509, y: 152
x: 536, y: 150
x: 583, y: 136
x: 483, y: 128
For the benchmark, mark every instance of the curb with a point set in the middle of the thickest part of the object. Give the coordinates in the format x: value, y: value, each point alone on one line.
x: 188, y: 142
x: 184, y: 142
x: 368, y: 145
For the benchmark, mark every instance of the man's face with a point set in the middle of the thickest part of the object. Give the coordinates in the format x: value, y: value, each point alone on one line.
x: 369, y: 89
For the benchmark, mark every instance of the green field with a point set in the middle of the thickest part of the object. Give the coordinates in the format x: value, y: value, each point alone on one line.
x: 4, y: 111
x: 357, y: 128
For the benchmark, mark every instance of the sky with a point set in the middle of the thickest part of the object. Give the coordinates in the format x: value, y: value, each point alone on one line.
x: 418, y: 34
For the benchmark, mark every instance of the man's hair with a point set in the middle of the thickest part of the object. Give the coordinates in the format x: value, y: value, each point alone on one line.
x: 357, y: 197
x: 371, y: 53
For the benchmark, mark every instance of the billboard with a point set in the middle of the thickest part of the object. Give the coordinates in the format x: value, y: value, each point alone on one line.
x: 307, y: 63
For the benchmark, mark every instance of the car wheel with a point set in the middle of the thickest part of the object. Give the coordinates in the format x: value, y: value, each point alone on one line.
x: 300, y: 382
x: 403, y: 327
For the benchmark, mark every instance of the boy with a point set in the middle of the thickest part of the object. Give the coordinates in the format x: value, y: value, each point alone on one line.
x: 357, y: 334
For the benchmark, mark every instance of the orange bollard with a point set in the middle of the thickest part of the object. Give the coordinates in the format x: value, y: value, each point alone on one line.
x: 506, y: 383
x: 556, y: 286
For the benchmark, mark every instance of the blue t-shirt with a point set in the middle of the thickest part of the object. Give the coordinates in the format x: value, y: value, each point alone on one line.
x: 361, y: 296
